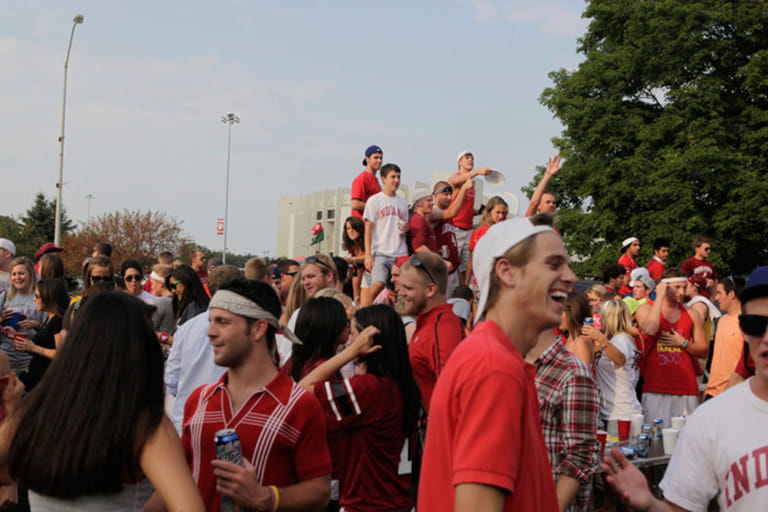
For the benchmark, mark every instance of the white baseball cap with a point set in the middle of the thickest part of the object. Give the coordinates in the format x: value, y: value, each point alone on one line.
x: 8, y: 245
x: 501, y: 237
x: 462, y: 153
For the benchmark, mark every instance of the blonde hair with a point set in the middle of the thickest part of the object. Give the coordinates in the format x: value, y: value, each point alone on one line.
x: 616, y: 318
x: 26, y: 262
x: 596, y: 289
x: 297, y: 296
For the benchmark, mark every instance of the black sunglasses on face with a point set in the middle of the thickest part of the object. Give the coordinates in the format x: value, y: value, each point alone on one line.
x: 102, y: 279
x: 416, y: 262
x: 131, y: 277
x: 753, y: 325
x: 290, y: 273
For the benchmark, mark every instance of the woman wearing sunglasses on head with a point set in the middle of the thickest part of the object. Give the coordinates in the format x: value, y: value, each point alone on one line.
x: 189, y: 297
x: 375, y: 412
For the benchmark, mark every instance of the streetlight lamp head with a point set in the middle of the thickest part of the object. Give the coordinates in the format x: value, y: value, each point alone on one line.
x: 79, y: 18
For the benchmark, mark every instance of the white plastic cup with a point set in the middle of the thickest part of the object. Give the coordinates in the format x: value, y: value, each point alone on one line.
x: 677, y: 422
x: 613, y: 429
x: 669, y: 437
x: 636, y: 426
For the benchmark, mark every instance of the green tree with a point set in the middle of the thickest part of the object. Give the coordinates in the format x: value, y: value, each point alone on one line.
x: 39, y: 223
x: 666, y: 131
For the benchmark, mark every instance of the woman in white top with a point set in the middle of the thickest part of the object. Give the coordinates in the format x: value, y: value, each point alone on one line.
x: 93, y: 435
x: 616, y: 362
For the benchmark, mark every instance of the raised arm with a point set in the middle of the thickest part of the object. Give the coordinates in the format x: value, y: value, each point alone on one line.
x: 553, y: 167
x: 458, y: 199
x: 361, y: 345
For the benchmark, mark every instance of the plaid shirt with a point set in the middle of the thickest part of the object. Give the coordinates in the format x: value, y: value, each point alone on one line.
x: 569, y: 407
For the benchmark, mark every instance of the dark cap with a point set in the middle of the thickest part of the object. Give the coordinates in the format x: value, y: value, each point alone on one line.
x: 371, y: 151
x: 46, y: 248
x: 757, y: 285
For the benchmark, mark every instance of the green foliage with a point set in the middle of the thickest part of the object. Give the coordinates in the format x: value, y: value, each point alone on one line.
x: 666, y: 131
x: 36, y: 226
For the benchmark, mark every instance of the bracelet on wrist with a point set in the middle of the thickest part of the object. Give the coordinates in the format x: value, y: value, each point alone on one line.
x: 684, y: 343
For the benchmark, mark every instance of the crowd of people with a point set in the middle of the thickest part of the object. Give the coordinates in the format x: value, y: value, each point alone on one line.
x: 447, y: 361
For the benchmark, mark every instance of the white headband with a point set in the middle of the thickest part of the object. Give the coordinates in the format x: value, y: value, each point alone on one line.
x: 239, y: 305
x: 157, y: 277
x: 628, y: 241
x: 675, y: 280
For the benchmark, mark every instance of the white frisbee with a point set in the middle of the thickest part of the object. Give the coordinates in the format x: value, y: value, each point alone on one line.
x: 495, y: 177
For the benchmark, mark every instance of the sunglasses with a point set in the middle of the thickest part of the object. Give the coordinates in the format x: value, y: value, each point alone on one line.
x: 445, y: 190
x: 317, y: 261
x: 102, y: 279
x: 416, y: 262
x: 290, y: 273
x: 753, y: 325
x: 131, y: 278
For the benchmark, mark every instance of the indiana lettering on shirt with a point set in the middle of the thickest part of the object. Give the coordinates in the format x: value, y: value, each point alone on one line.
x: 738, y: 483
x: 388, y: 211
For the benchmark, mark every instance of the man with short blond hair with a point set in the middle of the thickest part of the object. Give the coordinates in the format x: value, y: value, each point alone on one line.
x: 438, y: 332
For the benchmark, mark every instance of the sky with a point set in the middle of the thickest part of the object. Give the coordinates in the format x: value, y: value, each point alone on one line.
x: 314, y: 84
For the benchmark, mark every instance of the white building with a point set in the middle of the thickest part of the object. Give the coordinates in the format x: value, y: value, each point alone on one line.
x: 298, y: 213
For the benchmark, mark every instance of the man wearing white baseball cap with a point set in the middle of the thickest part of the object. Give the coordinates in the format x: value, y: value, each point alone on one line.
x: 464, y: 220
x: 7, y: 253
x: 484, y: 439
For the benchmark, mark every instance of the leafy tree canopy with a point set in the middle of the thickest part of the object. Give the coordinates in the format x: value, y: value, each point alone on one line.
x: 666, y: 131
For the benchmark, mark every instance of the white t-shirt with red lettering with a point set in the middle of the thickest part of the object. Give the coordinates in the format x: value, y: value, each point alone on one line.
x: 386, y: 212
x: 722, y: 447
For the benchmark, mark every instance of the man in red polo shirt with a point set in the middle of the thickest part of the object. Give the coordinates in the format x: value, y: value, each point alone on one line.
x: 281, y: 427
x: 699, y: 264
x: 366, y: 184
x: 658, y: 263
x: 484, y: 439
x: 423, y: 281
x: 464, y: 220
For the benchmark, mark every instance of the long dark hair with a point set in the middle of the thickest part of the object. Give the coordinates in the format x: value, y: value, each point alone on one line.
x: 357, y: 246
x: 320, y: 323
x: 82, y: 429
x: 392, y: 359
x: 193, y: 288
x: 53, y: 294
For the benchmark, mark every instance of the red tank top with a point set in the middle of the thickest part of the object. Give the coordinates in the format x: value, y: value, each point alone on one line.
x: 666, y: 369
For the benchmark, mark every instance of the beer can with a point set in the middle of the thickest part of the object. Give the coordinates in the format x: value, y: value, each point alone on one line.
x: 589, y: 321
x: 228, y: 449
x: 643, y: 445
x: 658, y: 425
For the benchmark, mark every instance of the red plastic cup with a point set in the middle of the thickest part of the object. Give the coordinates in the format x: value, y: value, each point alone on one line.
x: 624, y: 429
x: 18, y: 339
x: 601, y: 437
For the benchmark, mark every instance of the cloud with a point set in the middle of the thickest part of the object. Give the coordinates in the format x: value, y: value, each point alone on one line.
x: 547, y: 17
x: 485, y: 11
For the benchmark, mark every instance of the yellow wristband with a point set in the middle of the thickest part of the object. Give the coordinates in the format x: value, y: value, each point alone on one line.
x: 277, y: 497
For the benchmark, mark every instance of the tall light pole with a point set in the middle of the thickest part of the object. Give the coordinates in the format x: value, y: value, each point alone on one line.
x: 89, y: 197
x: 228, y: 119
x: 78, y: 19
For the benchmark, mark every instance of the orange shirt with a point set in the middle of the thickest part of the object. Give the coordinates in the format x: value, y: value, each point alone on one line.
x: 728, y: 346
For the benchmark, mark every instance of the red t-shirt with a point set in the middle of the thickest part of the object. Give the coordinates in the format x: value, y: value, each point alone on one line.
x: 466, y: 216
x: 438, y: 332
x: 669, y: 369
x: 628, y: 261
x: 745, y: 368
x: 293, y: 449
x: 476, y: 236
x: 368, y: 412
x: 655, y: 268
x: 363, y: 187
x: 484, y: 428
x: 445, y: 236
x: 420, y: 233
